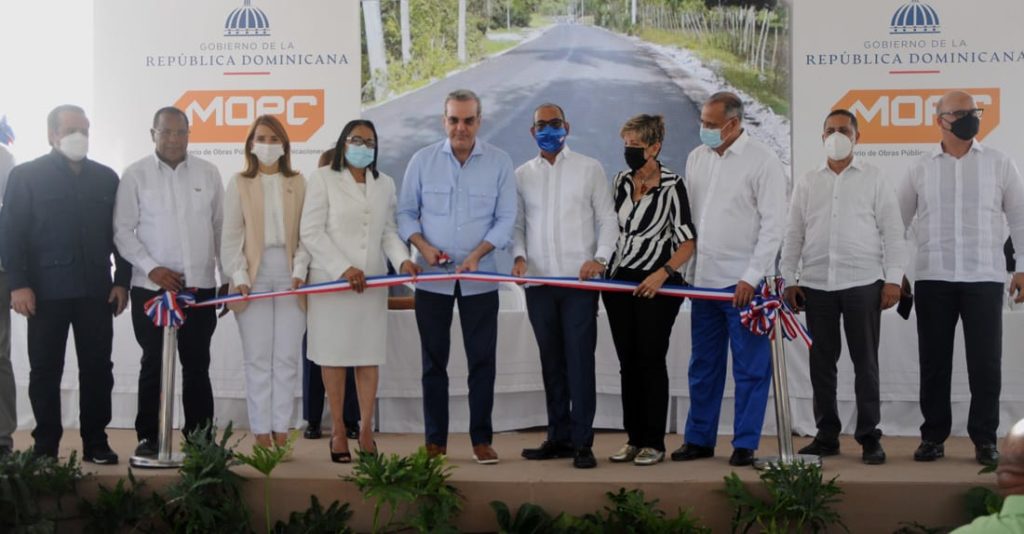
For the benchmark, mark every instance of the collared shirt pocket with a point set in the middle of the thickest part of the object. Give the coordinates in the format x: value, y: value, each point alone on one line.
x: 481, y: 202
x: 437, y: 199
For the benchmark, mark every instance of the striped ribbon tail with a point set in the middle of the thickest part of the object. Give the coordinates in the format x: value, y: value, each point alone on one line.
x: 166, y: 309
x: 767, y: 308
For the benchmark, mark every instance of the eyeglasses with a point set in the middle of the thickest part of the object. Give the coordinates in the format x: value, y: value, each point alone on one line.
x: 355, y: 140
x: 172, y: 133
x: 553, y: 123
x: 961, y: 113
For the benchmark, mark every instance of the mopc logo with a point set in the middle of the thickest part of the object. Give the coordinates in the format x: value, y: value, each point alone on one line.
x: 908, y: 115
x: 225, y: 116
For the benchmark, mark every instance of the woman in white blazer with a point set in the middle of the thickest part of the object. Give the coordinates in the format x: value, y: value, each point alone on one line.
x: 348, y: 227
x: 261, y: 252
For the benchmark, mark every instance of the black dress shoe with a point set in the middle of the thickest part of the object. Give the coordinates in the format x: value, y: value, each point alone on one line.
x: 549, y: 450
x: 313, y: 431
x: 147, y: 448
x: 986, y: 454
x: 741, y: 457
x: 929, y: 451
x: 873, y: 453
x: 584, y: 458
x: 352, y: 432
x: 820, y: 448
x: 689, y: 451
x: 100, y: 454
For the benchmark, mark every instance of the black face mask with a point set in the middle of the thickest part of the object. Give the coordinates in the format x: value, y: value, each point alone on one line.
x: 635, y: 157
x: 965, y: 127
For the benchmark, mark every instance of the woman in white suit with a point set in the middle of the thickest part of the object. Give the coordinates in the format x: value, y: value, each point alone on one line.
x: 348, y: 227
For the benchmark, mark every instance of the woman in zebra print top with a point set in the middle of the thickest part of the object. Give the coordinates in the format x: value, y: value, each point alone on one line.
x: 656, y: 237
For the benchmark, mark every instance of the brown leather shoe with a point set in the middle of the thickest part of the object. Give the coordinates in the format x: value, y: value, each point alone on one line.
x: 434, y: 450
x: 484, y: 454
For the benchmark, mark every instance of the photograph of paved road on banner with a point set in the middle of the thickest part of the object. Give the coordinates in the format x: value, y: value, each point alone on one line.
x: 680, y: 53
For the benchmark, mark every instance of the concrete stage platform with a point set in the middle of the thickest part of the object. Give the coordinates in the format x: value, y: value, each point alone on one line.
x: 876, y: 499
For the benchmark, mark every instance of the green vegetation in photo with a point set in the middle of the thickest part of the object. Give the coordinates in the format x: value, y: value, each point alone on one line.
x: 799, y: 500
x: 412, y: 491
x: 264, y: 460
x: 32, y: 488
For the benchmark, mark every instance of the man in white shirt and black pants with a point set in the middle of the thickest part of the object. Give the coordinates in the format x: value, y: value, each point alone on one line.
x: 737, y: 192
x: 167, y: 223
x: 963, y: 194
x: 566, y: 227
x: 845, y: 238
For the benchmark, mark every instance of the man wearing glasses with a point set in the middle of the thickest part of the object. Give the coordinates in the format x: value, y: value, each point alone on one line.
x: 458, y: 201
x: 167, y: 223
x: 566, y: 227
x: 962, y: 195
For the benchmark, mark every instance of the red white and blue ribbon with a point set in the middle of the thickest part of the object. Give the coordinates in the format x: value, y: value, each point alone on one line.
x: 165, y: 309
x: 766, y: 308
x: 759, y: 317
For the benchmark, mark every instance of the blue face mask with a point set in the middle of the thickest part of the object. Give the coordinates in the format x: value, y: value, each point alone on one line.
x: 551, y: 140
x: 359, y: 157
x: 711, y: 138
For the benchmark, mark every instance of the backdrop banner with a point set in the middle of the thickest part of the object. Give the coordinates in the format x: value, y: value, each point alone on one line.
x: 224, y: 62
x: 889, y: 61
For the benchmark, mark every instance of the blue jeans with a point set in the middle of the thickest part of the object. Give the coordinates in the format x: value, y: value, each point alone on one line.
x: 478, y: 315
x: 714, y: 327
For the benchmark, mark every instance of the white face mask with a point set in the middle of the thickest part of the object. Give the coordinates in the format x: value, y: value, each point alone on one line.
x: 267, y: 154
x: 74, y: 146
x: 838, y: 147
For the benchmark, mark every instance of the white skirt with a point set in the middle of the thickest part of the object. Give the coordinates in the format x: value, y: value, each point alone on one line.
x: 346, y: 329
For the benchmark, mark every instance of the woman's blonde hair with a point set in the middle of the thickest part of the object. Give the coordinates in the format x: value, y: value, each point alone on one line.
x: 650, y: 128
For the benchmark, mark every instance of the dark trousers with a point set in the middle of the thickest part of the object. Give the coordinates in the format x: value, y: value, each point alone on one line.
x: 93, y: 327
x: 939, y: 306
x: 715, y: 328
x: 641, y: 329
x: 313, y: 393
x: 478, y: 315
x: 193, y: 353
x: 564, y: 322
x: 861, y: 313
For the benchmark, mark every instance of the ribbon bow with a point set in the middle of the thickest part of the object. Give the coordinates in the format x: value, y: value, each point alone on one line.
x: 165, y: 309
x: 766, y: 308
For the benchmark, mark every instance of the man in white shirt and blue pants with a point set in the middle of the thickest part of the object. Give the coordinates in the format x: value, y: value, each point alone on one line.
x: 737, y: 190
x: 167, y: 223
x: 843, y: 257
x: 567, y: 228
x: 962, y: 194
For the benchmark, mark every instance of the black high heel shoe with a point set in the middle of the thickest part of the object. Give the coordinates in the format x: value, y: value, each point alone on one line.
x: 339, y: 457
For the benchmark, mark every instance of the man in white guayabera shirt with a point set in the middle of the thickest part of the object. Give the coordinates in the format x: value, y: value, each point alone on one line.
x: 738, y: 196
x: 843, y: 257
x: 566, y: 227
x: 963, y: 194
x: 167, y: 223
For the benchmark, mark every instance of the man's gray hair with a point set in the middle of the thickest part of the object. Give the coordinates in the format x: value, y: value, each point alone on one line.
x: 463, y: 95
x: 53, y: 118
x: 733, y: 104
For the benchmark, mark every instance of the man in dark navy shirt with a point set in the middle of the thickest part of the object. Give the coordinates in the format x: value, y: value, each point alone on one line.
x: 56, y: 241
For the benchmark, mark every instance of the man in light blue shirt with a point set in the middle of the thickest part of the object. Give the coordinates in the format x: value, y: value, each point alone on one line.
x: 458, y: 201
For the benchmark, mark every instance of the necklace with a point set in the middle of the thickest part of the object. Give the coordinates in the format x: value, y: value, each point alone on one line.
x: 644, y: 186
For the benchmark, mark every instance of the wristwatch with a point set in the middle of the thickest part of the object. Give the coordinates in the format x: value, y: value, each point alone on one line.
x: 602, y: 261
x: 668, y: 269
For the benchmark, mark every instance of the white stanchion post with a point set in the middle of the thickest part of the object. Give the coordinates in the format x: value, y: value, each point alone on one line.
x: 165, y: 458
x: 780, y: 389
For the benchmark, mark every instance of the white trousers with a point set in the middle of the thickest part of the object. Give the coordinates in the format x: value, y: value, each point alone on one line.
x: 271, y: 331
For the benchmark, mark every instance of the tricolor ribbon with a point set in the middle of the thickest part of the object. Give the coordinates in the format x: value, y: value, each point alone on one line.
x: 759, y: 317
x: 165, y: 309
x: 766, y: 308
